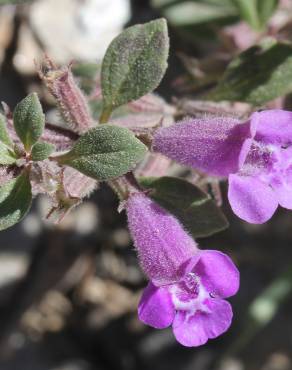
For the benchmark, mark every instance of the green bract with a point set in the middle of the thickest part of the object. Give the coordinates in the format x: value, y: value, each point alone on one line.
x: 29, y: 120
x: 266, y: 9
x: 134, y: 63
x: 7, y: 156
x: 256, y: 12
x: 15, y: 200
x: 193, y: 208
x: 3, y: 2
x: 258, y: 75
x: 4, y: 136
x: 197, y: 13
x: 105, y: 152
x: 41, y: 151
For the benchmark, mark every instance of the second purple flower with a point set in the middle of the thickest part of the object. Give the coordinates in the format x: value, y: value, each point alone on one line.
x: 187, y: 286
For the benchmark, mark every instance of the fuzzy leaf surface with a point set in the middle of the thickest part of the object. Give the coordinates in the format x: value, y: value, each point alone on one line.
x: 105, y: 152
x: 41, y: 151
x: 134, y: 63
x: 15, y: 200
x: 29, y: 120
x: 7, y: 156
x: 258, y: 75
x: 195, y: 209
x: 4, y: 136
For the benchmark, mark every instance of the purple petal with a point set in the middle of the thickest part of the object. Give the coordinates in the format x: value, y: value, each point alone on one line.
x: 283, y: 191
x: 281, y: 181
x: 212, y: 145
x: 273, y: 126
x: 195, y: 330
x: 251, y: 199
x: 163, y: 245
x: 155, y: 307
x: 246, y: 146
x: 217, y: 273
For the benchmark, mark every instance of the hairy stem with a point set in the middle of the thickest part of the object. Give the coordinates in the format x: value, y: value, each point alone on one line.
x: 105, y: 114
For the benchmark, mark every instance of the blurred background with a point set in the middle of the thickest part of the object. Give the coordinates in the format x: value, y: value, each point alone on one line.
x: 69, y: 293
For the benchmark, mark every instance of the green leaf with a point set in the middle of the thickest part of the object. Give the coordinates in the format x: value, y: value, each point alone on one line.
x: 248, y: 11
x: 105, y: 152
x: 7, y: 156
x: 266, y: 9
x: 134, y: 63
x: 15, y: 200
x: 3, y: 2
x: 41, y: 151
x: 198, y: 21
x: 193, y: 208
x: 256, y: 12
x: 29, y: 120
x: 4, y: 136
x: 160, y: 4
x: 258, y: 75
x: 195, y: 13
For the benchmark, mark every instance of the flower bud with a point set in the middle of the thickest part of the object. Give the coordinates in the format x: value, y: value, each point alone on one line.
x: 70, y: 98
x: 164, y: 247
x: 213, y: 144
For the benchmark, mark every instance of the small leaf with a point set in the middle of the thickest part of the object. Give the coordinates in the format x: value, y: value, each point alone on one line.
x: 15, y: 200
x: 41, y: 151
x: 256, y: 12
x: 196, y: 13
x: 193, y: 208
x: 4, y: 136
x: 134, y: 63
x: 105, y: 152
x: 29, y: 120
x: 249, y: 12
x: 3, y: 2
x: 258, y: 75
x: 266, y: 9
x: 7, y: 156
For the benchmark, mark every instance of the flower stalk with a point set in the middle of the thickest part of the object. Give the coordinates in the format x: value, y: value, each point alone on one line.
x: 105, y: 115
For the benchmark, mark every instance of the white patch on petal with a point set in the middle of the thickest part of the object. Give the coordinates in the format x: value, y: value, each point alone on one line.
x: 193, y: 304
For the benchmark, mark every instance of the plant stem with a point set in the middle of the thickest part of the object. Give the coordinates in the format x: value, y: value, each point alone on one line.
x: 125, y: 185
x: 119, y: 189
x: 105, y: 114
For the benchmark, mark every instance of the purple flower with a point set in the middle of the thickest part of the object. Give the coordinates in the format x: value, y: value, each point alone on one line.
x: 194, y: 305
x: 187, y: 285
x: 256, y: 155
